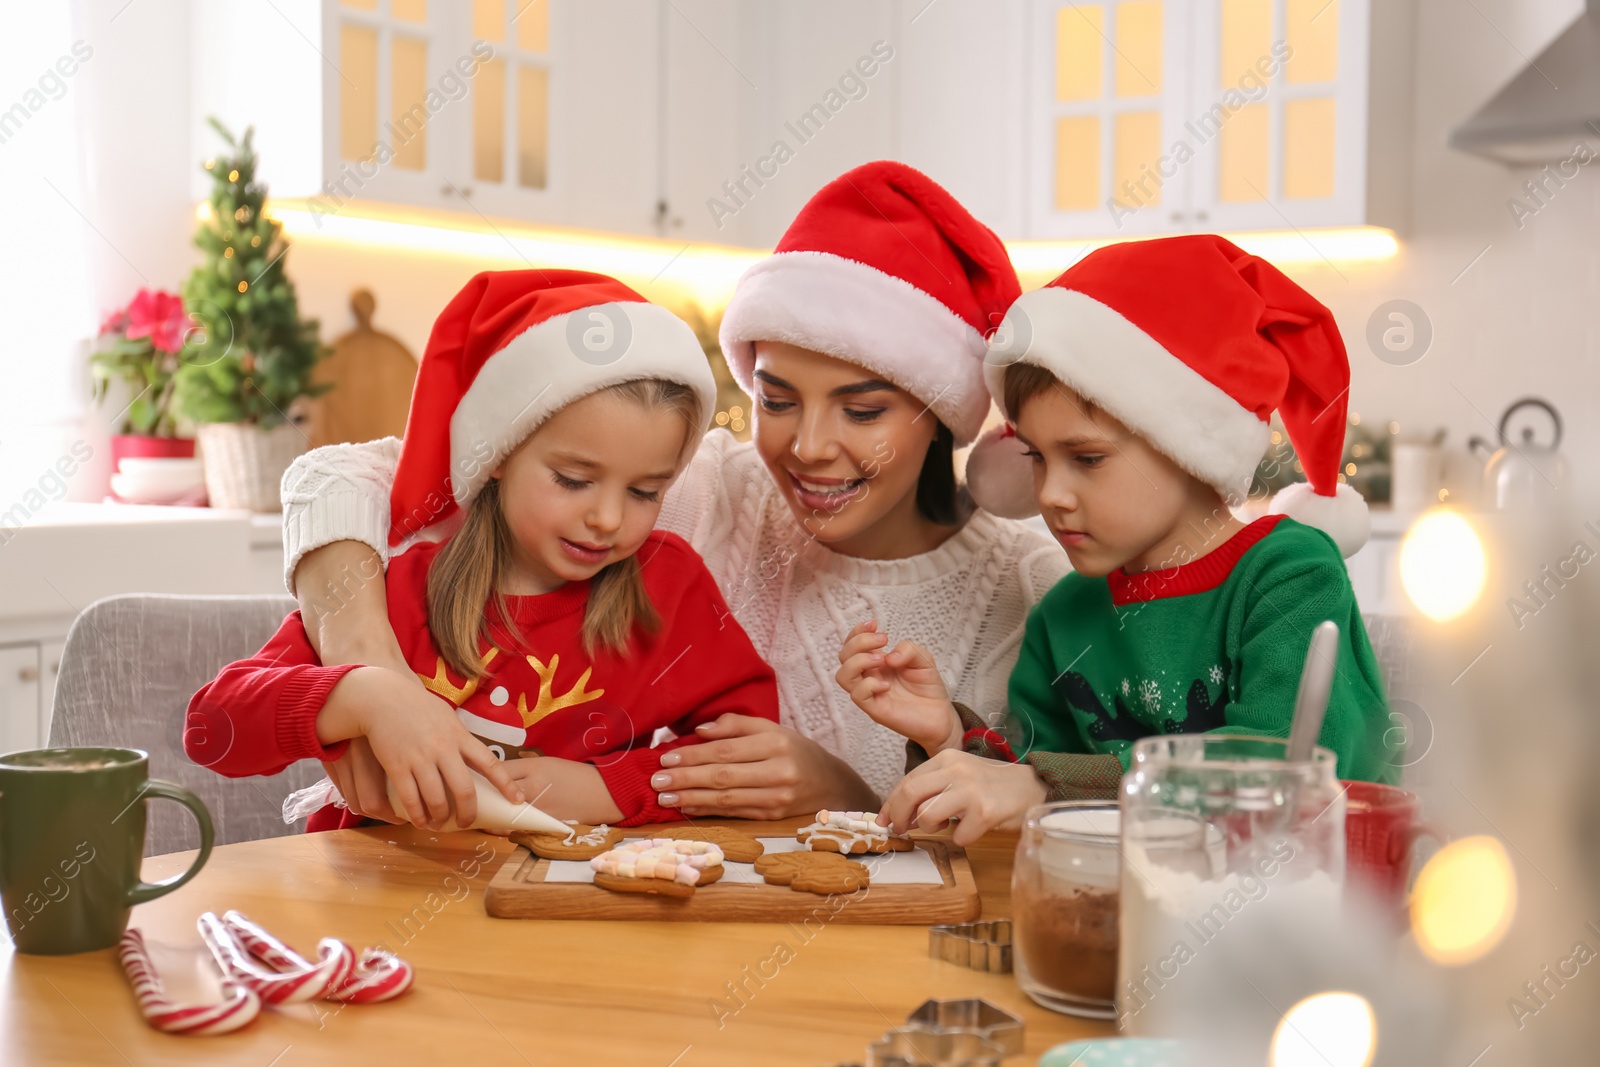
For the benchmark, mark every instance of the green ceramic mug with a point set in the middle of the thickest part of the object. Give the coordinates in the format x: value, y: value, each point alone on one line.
x: 71, y: 841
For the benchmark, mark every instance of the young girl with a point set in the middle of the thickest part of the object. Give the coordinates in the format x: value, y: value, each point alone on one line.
x: 552, y: 410
x: 861, y: 343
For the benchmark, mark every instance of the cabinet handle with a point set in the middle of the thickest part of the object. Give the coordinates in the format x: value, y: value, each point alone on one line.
x: 28, y: 674
x: 1201, y: 215
x: 1177, y: 216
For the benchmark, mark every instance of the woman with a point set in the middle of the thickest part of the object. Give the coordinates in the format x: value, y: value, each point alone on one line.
x: 861, y: 340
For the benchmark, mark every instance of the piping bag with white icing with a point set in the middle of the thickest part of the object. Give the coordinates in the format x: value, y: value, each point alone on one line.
x: 495, y: 812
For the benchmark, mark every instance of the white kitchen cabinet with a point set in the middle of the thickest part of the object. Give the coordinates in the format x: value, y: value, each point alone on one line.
x: 537, y: 110
x: 1155, y: 116
x: 19, y: 697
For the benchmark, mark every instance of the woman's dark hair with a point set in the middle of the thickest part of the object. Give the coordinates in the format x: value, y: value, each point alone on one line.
x: 939, y: 496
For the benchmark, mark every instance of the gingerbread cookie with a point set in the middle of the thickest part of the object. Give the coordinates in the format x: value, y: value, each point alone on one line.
x: 824, y: 873
x: 658, y: 865
x: 736, y: 847
x: 850, y: 833
x: 582, y: 842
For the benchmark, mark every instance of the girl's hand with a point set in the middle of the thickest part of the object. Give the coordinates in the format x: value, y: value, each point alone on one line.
x: 983, y: 794
x: 900, y: 689
x: 751, y: 768
x: 564, y: 788
x: 418, y: 741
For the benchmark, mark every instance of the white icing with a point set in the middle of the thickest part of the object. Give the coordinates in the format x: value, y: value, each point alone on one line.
x: 848, y: 828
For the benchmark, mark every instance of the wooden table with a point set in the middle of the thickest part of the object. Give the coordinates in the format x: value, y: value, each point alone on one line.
x: 498, y: 991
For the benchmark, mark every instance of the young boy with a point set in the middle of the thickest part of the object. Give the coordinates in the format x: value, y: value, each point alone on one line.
x: 1140, y: 383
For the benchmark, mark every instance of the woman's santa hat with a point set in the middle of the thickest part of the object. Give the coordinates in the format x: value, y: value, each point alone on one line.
x: 885, y: 269
x: 512, y: 349
x: 1191, y: 343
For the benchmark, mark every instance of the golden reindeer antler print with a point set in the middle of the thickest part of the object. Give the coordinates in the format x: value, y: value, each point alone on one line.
x: 548, y: 702
x: 440, y: 682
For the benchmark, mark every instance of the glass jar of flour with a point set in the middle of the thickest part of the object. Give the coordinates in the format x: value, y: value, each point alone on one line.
x: 1218, y: 833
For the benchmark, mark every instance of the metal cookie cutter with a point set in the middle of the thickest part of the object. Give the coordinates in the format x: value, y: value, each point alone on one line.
x: 916, y: 1045
x: 980, y: 946
x: 989, y: 1022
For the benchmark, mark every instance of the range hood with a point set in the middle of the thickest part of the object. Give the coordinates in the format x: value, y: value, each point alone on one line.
x: 1547, y: 109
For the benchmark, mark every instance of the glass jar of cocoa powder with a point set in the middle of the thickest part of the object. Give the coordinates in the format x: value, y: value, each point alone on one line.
x: 1064, y: 904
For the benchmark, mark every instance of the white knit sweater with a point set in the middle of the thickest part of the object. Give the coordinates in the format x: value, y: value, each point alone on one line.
x: 965, y: 601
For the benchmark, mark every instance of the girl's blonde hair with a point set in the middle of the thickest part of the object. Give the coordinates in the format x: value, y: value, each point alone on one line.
x: 466, y: 574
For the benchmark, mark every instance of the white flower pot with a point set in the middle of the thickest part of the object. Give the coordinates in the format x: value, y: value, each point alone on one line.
x: 244, y: 464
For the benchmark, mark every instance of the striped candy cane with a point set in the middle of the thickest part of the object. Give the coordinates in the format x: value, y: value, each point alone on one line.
x: 376, y: 976
x: 298, y: 980
x: 241, y: 1005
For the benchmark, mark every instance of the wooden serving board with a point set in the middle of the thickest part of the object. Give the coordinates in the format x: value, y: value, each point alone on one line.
x: 519, y: 891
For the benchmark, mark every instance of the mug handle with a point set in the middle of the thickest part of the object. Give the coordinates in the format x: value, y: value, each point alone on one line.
x: 1401, y: 846
x: 144, y: 892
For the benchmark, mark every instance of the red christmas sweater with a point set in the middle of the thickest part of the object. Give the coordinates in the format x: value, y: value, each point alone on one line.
x: 547, y: 698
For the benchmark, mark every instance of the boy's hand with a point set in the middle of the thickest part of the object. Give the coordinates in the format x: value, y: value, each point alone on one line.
x: 422, y: 746
x: 984, y: 794
x: 564, y: 788
x: 900, y: 689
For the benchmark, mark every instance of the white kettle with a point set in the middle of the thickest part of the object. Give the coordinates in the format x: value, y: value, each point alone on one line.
x: 1523, y: 473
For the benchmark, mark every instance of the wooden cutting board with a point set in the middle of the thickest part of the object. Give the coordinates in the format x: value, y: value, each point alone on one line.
x: 519, y: 891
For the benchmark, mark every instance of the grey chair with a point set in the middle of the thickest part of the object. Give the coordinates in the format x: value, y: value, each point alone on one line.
x: 130, y: 665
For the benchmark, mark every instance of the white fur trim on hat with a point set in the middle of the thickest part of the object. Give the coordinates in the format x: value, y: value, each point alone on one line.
x: 1000, y: 475
x: 1116, y: 366
x: 846, y: 309
x: 539, y: 372
x: 1343, y: 516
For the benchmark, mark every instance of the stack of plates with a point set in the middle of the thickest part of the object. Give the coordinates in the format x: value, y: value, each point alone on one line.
x: 159, y: 481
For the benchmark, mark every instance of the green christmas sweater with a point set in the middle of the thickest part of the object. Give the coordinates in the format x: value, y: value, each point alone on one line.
x: 1215, y: 644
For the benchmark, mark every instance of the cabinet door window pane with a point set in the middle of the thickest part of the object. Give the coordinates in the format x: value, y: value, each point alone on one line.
x: 1080, y: 46
x: 533, y: 25
x: 489, y: 123
x: 489, y: 20
x: 1138, y: 70
x: 358, y: 92
x: 1308, y: 148
x: 1137, y: 136
x: 409, y: 10
x: 1242, y: 177
x: 1246, y: 38
x: 533, y: 126
x: 1313, y: 34
x: 1077, y: 163
x: 409, y: 116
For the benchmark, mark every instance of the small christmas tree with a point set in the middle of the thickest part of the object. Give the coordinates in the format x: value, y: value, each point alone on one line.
x: 252, y: 354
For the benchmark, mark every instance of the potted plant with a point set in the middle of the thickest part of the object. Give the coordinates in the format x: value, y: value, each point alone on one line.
x: 139, y: 346
x: 250, y: 356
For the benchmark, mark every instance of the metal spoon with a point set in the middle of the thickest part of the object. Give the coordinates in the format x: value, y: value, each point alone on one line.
x: 1311, y: 702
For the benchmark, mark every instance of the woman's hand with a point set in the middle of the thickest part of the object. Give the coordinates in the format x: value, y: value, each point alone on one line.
x: 419, y: 743
x: 900, y: 689
x: 982, y: 794
x: 564, y: 788
x: 750, y: 768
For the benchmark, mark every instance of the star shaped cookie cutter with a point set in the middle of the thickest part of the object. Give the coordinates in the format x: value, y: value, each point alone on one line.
x: 984, y: 946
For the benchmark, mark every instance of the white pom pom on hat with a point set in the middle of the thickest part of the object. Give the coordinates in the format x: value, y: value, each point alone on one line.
x: 1000, y: 475
x: 1192, y: 343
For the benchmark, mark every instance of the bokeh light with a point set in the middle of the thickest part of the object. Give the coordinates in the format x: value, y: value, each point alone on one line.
x: 1442, y: 565
x: 1464, y: 901
x: 1326, y: 1030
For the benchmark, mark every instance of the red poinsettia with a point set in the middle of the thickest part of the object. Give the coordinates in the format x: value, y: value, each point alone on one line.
x: 159, y: 316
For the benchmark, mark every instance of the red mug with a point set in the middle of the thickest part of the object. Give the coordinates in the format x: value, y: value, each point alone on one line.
x: 1381, y: 828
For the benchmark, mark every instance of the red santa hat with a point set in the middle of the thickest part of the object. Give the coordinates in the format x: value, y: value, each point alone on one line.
x: 1191, y: 343
x: 512, y: 349
x: 885, y: 269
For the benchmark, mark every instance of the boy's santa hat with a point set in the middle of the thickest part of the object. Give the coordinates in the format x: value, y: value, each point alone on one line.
x: 885, y: 269
x: 512, y: 349
x: 1191, y: 343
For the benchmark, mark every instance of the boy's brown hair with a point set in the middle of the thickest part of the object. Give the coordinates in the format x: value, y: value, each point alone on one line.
x: 1024, y: 381
x: 464, y: 578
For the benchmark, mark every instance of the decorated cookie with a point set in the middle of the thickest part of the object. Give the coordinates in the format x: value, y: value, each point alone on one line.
x: 658, y: 865
x: 581, y: 842
x: 736, y: 847
x: 824, y: 873
x: 851, y: 833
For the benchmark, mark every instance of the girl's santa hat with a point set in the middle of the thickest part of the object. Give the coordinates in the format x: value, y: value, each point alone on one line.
x: 512, y: 349
x: 1191, y: 343
x: 885, y: 269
